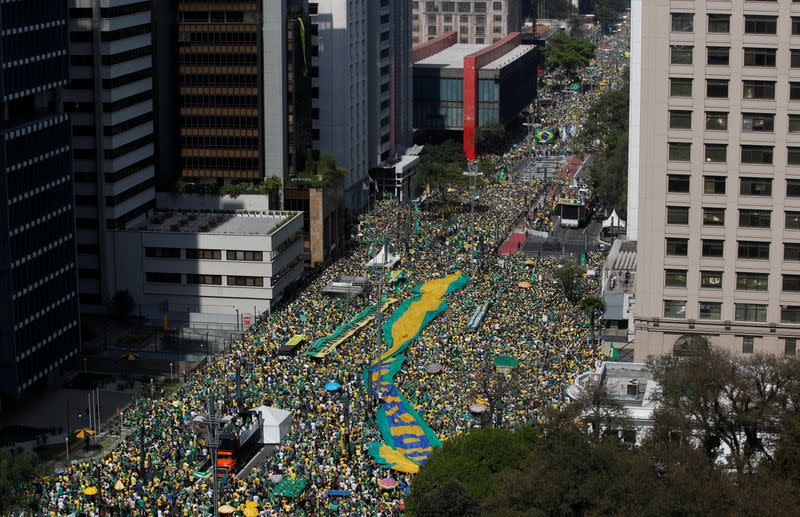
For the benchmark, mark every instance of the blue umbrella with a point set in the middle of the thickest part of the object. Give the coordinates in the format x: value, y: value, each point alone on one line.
x: 332, y: 386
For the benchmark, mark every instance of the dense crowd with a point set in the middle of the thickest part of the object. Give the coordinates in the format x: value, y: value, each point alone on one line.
x: 529, y: 319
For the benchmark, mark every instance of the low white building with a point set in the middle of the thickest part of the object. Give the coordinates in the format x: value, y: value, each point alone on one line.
x: 209, y: 267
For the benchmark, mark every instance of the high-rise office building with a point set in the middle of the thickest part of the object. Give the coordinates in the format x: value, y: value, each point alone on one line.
x: 714, y: 182
x: 235, y: 101
x: 110, y: 100
x: 475, y: 22
x: 39, y: 326
x: 362, y: 86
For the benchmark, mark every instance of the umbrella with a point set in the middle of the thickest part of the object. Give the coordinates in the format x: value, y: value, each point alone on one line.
x: 250, y: 512
x: 433, y: 368
x: 332, y: 386
x: 119, y: 486
x: 388, y: 483
x: 226, y: 509
x: 275, y: 478
x: 84, y: 432
x: 251, y: 504
x: 478, y: 408
x: 90, y: 490
x: 524, y: 285
x: 130, y: 357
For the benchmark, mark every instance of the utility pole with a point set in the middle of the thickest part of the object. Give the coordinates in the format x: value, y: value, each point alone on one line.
x: 213, y: 423
x: 473, y: 174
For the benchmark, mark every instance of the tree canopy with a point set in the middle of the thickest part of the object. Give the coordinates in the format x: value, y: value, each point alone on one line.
x: 567, y: 466
x: 568, y: 53
x: 441, y: 166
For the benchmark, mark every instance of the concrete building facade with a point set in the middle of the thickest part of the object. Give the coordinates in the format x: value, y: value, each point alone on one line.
x: 714, y: 198
x: 110, y: 101
x: 475, y: 22
x: 39, y: 314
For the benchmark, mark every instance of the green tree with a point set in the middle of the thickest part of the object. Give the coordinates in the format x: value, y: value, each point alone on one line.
x: 608, y: 173
x: 568, y: 53
x: 449, y: 499
x: 606, y: 16
x: 568, y: 276
x: 122, y: 304
x: 16, y: 471
x: 491, y: 138
x: 606, y: 118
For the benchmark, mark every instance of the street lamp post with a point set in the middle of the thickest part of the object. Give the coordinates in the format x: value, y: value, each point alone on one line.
x: 170, y: 372
x: 473, y: 174
x: 66, y: 441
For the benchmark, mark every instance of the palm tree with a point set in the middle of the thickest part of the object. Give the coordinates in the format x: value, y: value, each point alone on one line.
x: 592, y: 304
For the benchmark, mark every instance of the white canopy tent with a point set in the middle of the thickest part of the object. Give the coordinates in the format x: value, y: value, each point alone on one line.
x: 384, y: 258
x: 276, y: 423
x: 613, y: 221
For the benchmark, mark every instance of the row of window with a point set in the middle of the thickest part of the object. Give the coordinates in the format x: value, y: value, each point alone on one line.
x: 748, y: 218
x: 748, y: 250
x: 718, y: 121
x: 681, y: 184
x: 712, y: 310
x: 718, y: 89
x: 720, y: 56
x: 720, y: 23
x: 745, y: 281
x: 204, y: 254
x: 717, y: 153
x: 177, y: 278
x: 463, y: 7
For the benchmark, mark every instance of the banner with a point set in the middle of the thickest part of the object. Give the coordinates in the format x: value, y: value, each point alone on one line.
x: 328, y: 344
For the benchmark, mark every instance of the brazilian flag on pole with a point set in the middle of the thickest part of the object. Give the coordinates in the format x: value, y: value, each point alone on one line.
x: 544, y: 136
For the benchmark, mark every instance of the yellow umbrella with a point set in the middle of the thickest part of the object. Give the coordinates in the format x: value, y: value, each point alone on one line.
x: 251, y: 504
x: 84, y: 432
x: 250, y: 512
x: 119, y: 486
x: 226, y: 509
x: 90, y: 490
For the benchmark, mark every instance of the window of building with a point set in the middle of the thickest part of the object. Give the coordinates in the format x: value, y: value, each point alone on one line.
x: 245, y: 281
x: 793, y: 188
x: 677, y: 247
x: 793, y: 156
x: 711, y: 279
x: 718, y: 56
x: 678, y: 183
x: 753, y: 250
x: 674, y: 308
x: 204, y: 279
x: 680, y: 151
x: 759, y: 57
x: 710, y: 310
x: 713, y: 184
x: 162, y: 278
x: 716, y: 121
x: 794, y: 91
x: 754, y: 24
x: 794, y: 123
x: 755, y: 218
x: 790, y: 343
x: 680, y: 87
x: 677, y: 215
x: 497, y: 6
x: 682, y: 22
x: 681, y: 54
x: 717, y: 88
x: 792, y: 221
x: 719, y: 23
x: 791, y: 283
x: 713, y: 216
x: 763, y: 122
x: 758, y: 90
x: 248, y: 256
x: 755, y: 186
x: 712, y: 248
x: 752, y: 281
x: 675, y: 278
x: 757, y: 154
x: 716, y: 153
x: 680, y: 119
x: 791, y: 251
x: 748, y: 343
x: 171, y: 253
x: 200, y: 254
x: 750, y: 312
x: 795, y: 25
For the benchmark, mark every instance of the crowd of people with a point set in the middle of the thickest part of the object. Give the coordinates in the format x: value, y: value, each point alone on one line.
x: 529, y: 319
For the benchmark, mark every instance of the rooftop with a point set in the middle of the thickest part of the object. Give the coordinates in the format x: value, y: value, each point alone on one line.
x: 451, y: 57
x: 631, y: 384
x: 509, y: 57
x: 214, y: 223
x: 621, y: 261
